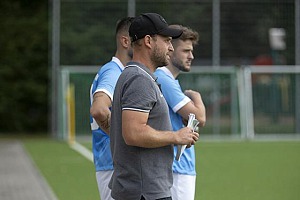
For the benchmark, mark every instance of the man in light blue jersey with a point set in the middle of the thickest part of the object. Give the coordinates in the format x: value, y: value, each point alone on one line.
x: 181, y: 104
x: 101, y: 96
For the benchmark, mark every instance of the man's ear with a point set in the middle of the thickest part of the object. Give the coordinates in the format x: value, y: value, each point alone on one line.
x: 125, y: 41
x: 148, y: 41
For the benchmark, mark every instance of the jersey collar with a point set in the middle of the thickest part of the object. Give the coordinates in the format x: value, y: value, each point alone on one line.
x: 119, y: 63
x: 143, y: 68
x: 167, y: 71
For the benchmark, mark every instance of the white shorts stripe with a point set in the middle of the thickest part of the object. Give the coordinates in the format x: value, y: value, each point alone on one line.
x: 136, y: 109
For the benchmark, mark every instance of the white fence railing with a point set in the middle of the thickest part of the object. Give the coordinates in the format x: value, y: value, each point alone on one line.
x: 242, y: 102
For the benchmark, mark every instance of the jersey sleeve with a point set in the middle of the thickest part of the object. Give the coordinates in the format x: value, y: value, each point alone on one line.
x: 107, y: 80
x: 172, y: 92
x: 139, y: 94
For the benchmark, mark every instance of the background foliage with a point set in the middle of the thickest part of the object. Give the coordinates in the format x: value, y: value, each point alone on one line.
x: 88, y: 28
x: 87, y: 38
x: 23, y: 65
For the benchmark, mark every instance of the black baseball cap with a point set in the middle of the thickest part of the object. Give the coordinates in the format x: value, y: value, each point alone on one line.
x: 151, y: 24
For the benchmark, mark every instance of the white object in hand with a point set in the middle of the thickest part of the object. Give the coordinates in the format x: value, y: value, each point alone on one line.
x: 192, y: 123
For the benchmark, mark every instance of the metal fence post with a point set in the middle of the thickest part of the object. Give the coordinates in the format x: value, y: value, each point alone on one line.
x: 297, y: 62
x: 55, y: 66
x: 216, y: 64
x: 131, y: 8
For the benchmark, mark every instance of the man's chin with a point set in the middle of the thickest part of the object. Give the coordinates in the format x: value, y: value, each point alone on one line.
x: 185, y: 69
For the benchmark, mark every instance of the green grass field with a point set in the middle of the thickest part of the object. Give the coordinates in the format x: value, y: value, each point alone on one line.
x: 226, y: 170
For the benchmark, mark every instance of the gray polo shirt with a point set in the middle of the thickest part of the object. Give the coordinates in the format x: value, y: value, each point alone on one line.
x: 140, y: 171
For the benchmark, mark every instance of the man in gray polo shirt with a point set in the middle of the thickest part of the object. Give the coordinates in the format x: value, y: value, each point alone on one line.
x: 141, y: 136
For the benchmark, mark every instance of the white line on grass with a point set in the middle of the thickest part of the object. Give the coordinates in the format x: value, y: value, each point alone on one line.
x: 82, y: 150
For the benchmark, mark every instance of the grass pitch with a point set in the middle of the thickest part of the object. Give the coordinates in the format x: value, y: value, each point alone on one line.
x: 248, y: 171
x: 70, y: 175
x: 225, y: 170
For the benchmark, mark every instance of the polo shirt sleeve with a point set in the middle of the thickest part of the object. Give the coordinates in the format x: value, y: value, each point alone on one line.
x: 172, y: 92
x: 107, y: 80
x: 139, y: 94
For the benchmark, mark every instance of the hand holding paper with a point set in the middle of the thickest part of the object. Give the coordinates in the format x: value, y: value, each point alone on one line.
x: 192, y: 123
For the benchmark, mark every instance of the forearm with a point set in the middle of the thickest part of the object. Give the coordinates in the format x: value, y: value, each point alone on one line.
x: 201, y: 113
x: 100, y: 111
x: 136, y: 132
x: 147, y: 137
x: 199, y: 107
x: 103, y: 120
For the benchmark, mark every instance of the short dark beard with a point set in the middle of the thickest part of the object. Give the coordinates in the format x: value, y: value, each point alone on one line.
x: 158, y: 58
x: 179, y: 65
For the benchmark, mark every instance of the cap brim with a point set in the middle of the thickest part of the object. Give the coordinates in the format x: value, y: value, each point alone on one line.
x: 171, y: 32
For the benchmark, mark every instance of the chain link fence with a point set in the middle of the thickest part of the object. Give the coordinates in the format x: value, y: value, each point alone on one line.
x: 233, y: 33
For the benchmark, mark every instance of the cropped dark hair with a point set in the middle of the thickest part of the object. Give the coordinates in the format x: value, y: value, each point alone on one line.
x: 187, y: 33
x: 123, y: 24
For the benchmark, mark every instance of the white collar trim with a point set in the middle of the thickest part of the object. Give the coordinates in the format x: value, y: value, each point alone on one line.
x: 117, y: 60
x: 142, y: 70
x: 167, y: 71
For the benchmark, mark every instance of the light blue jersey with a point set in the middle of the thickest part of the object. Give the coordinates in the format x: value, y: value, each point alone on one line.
x: 176, y: 99
x: 104, y: 81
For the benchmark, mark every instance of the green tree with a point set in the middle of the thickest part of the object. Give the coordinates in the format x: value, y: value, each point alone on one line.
x: 23, y: 65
